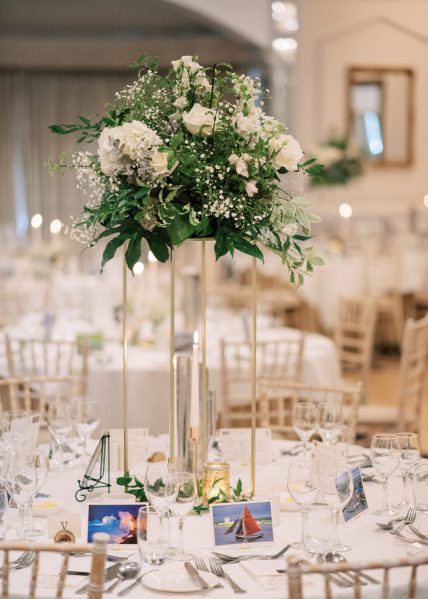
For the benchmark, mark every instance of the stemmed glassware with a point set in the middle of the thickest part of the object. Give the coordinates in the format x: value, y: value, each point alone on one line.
x: 305, y: 421
x: 337, y: 486
x: 16, y: 429
x: 23, y: 476
x: 330, y: 421
x: 41, y: 466
x: 4, y: 507
x: 409, y: 455
x: 59, y: 424
x: 86, y: 418
x: 385, y: 457
x: 420, y: 487
x: 303, y: 485
x: 160, y: 489
x: 182, y: 504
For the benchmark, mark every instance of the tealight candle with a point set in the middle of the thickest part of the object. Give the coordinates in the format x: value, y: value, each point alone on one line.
x: 215, y: 478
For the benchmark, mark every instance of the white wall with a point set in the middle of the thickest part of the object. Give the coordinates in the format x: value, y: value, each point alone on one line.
x: 335, y: 34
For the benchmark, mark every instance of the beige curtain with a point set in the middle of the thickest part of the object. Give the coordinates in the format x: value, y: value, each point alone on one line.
x: 29, y: 102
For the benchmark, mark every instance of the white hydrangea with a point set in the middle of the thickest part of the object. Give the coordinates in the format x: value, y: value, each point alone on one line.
x: 249, y: 125
x: 188, y: 63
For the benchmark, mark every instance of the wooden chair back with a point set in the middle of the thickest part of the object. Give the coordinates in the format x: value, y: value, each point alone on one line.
x: 276, y: 401
x: 275, y: 360
x: 97, y: 549
x: 413, y: 366
x: 354, y: 335
x: 408, y: 577
x: 39, y: 357
x: 33, y: 393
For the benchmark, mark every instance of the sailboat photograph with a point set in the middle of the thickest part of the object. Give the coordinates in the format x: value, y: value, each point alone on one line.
x: 242, y: 523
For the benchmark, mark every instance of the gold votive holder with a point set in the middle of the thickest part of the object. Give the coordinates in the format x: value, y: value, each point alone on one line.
x: 215, y: 480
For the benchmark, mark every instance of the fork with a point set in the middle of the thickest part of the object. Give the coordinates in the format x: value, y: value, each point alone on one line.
x: 229, y: 559
x: 201, y: 565
x: 23, y: 561
x: 217, y: 569
x: 409, y: 519
x: 418, y: 533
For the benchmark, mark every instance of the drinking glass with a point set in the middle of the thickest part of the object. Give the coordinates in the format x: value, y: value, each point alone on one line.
x: 16, y: 429
x: 4, y: 508
x: 59, y: 424
x: 23, y: 473
x: 86, y: 417
x: 303, y: 486
x: 151, y: 543
x: 409, y: 455
x: 385, y: 457
x: 305, y: 421
x: 160, y: 490
x: 41, y: 466
x: 181, y: 506
x: 330, y: 421
x: 319, y: 532
x: 337, y: 486
x: 420, y: 487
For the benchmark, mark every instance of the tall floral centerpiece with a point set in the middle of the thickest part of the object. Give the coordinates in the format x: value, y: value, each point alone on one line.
x: 191, y: 154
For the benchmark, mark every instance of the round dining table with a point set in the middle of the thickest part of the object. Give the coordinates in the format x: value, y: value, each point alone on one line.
x: 256, y: 577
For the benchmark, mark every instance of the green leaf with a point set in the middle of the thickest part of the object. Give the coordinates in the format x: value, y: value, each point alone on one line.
x: 159, y: 248
x: 247, y: 247
x: 111, y: 248
x: 123, y: 480
x: 133, y: 251
x: 317, y: 261
x: 238, y: 490
x: 221, y: 246
x: 180, y: 229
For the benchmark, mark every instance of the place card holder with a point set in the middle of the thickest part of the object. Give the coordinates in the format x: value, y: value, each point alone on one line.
x: 98, y: 469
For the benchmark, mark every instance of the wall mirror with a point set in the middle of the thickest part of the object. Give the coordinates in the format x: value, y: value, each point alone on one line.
x: 380, y: 113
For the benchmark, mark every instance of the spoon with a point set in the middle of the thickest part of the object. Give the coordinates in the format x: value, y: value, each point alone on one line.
x: 337, y: 558
x: 126, y: 571
x: 389, y: 525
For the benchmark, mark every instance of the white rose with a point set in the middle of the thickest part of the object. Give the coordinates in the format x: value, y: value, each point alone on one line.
x: 251, y: 188
x: 202, y: 84
x: 290, y: 229
x: 160, y: 163
x: 199, y: 120
x: 248, y: 125
x: 111, y: 158
x: 287, y: 152
x: 188, y: 62
x: 180, y: 102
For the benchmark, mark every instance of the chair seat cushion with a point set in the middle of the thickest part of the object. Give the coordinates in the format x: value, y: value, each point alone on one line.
x: 374, y: 414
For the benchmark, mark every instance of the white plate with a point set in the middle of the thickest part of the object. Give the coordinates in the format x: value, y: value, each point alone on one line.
x: 174, y: 578
x: 46, y: 507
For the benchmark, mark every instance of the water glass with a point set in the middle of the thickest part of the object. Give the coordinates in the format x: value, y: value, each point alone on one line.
x: 160, y: 489
x: 86, y: 417
x: 330, y: 421
x: 385, y: 457
x: 181, y: 506
x: 41, y: 466
x: 303, y: 485
x: 420, y: 487
x: 4, y: 508
x: 319, y: 532
x: 409, y: 455
x: 305, y: 421
x: 16, y: 429
x: 59, y: 422
x: 337, y: 486
x: 151, y: 539
x: 23, y: 475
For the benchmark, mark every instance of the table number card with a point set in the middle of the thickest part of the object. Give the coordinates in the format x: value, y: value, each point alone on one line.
x: 357, y: 505
x: 65, y: 522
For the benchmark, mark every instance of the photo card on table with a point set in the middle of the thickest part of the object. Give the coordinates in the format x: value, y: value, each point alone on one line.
x: 119, y: 521
x: 239, y: 523
x: 357, y: 505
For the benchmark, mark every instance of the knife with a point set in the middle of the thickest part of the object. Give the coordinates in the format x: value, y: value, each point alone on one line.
x: 109, y: 574
x: 136, y: 582
x: 195, y: 574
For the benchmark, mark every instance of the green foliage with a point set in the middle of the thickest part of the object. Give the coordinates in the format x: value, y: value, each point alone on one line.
x: 345, y: 163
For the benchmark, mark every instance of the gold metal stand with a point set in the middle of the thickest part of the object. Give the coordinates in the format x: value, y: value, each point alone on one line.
x: 171, y: 361
x: 125, y: 360
x: 204, y: 342
x: 253, y: 373
x: 194, y: 437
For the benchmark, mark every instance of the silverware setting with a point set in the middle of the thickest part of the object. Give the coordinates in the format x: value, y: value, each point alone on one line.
x: 229, y: 559
x: 217, y: 569
x: 201, y: 565
x: 136, y: 582
x: 409, y: 519
x: 23, y: 561
x: 338, y: 558
x: 295, y: 450
x: 126, y: 571
x: 196, y: 576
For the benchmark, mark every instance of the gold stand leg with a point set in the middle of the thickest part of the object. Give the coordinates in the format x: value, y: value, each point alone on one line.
x: 125, y: 360
x: 253, y: 373
x: 171, y: 360
x: 204, y: 343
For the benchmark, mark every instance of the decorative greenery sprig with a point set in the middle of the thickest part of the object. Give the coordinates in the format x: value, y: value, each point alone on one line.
x: 191, y: 154
x: 341, y: 160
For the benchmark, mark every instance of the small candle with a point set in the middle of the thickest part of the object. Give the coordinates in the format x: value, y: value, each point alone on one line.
x: 215, y: 478
x: 194, y: 397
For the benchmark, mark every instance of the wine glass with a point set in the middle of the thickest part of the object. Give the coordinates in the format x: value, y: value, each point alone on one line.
x: 305, y: 421
x: 319, y: 532
x: 59, y: 424
x: 23, y: 475
x: 86, y: 417
x: 330, y: 421
x: 337, y: 486
x: 303, y: 486
x: 409, y: 455
x: 420, y: 487
x: 16, y: 428
x: 4, y: 508
x: 182, y: 504
x: 160, y: 490
x: 385, y: 457
x: 41, y: 466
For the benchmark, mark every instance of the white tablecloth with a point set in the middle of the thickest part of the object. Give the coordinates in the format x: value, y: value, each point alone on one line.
x: 367, y: 541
